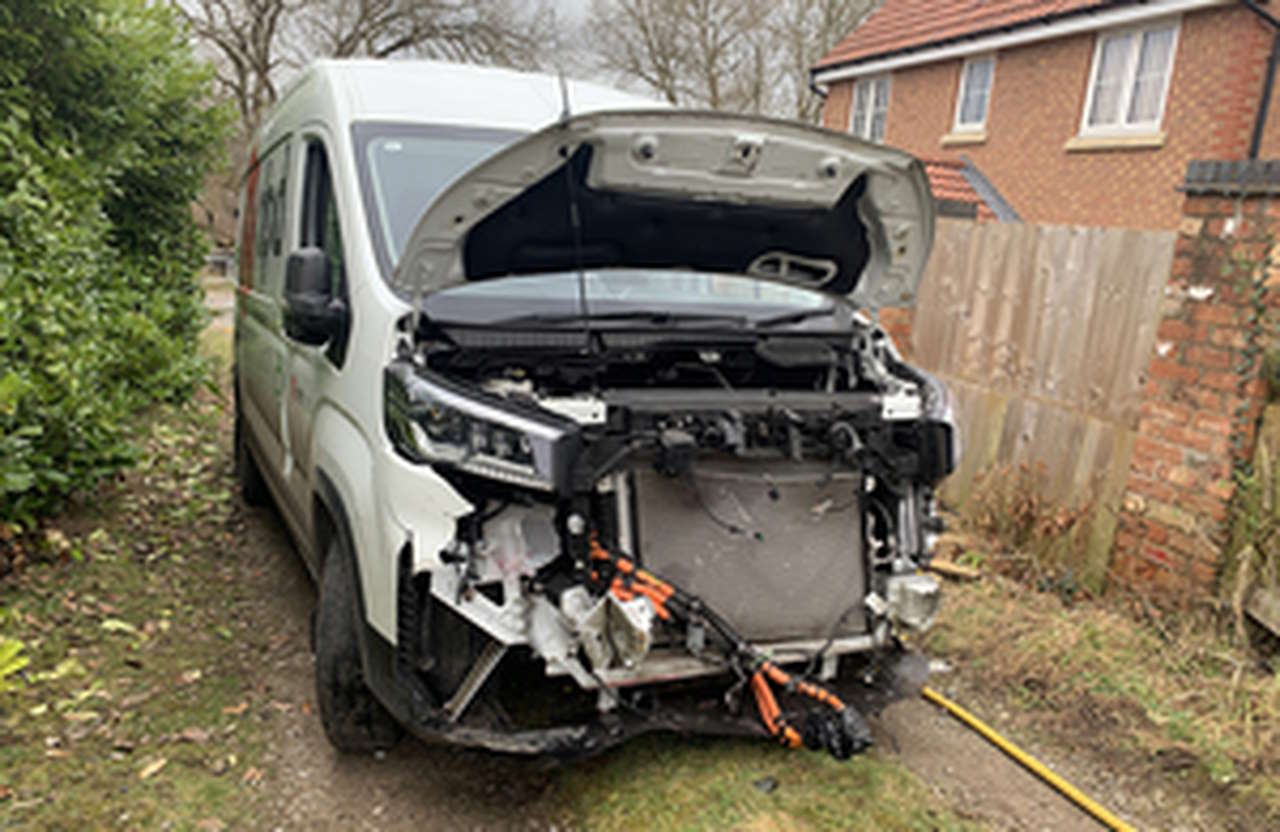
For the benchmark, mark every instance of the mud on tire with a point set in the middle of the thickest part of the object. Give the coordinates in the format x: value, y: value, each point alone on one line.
x: 353, y: 719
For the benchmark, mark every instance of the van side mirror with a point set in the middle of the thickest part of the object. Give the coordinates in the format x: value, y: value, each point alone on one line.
x: 312, y: 313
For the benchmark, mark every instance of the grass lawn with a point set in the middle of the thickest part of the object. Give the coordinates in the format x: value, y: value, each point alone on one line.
x: 134, y: 710
x: 660, y: 783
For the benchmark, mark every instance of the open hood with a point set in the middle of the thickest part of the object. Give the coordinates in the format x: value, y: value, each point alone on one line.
x: 678, y: 189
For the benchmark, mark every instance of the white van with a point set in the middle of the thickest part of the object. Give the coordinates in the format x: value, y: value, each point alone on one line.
x: 567, y: 402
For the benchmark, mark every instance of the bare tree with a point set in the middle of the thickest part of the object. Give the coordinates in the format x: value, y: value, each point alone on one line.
x: 692, y: 52
x: 641, y: 40
x: 480, y: 31
x: 743, y: 55
x: 805, y: 31
x: 255, y: 43
x: 243, y: 36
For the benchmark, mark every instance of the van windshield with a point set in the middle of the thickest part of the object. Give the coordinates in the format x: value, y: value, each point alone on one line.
x: 403, y: 167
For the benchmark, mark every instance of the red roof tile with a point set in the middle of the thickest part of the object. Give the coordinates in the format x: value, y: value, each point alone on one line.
x: 899, y: 25
x: 949, y: 185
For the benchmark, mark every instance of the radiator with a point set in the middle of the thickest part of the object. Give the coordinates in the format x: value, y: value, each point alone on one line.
x: 793, y: 567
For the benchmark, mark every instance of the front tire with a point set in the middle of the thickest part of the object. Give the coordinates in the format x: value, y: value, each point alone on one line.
x: 354, y: 720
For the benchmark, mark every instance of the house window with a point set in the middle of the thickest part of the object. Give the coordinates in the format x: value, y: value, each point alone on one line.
x: 1130, y: 80
x: 975, y: 93
x: 870, y: 108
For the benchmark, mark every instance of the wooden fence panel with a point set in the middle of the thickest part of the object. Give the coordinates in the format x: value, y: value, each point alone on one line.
x: 1044, y: 333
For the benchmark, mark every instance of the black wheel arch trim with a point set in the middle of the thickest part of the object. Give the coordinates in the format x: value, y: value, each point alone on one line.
x: 377, y: 655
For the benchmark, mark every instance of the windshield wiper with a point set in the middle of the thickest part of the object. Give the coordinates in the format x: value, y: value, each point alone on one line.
x: 795, y: 317
x: 645, y: 316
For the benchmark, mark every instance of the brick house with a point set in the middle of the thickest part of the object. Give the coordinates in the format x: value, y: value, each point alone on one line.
x: 960, y: 190
x: 1076, y: 111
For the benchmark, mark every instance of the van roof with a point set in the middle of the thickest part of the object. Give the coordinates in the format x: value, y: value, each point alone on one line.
x: 438, y: 92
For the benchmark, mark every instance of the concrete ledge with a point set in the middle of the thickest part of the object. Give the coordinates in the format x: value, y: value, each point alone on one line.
x: 972, y: 137
x: 1085, y: 144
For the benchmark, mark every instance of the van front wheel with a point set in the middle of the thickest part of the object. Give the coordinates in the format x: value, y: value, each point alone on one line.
x: 354, y: 720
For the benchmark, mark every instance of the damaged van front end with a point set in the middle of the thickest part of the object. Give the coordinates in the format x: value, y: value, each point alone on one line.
x: 692, y: 485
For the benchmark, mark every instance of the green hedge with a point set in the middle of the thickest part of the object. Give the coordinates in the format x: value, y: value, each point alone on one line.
x: 107, y: 132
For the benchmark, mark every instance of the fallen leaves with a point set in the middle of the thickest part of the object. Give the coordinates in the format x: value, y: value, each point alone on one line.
x: 57, y: 541
x: 137, y: 667
x: 152, y: 768
x: 63, y: 669
x: 222, y: 765
x: 194, y: 734
x: 135, y: 700
x: 119, y: 625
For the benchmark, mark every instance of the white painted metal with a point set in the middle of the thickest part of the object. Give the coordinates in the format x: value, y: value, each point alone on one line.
x: 687, y: 154
x: 388, y: 502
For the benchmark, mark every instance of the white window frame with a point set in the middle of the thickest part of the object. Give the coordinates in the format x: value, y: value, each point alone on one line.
x: 1130, y: 69
x: 870, y: 81
x: 976, y: 127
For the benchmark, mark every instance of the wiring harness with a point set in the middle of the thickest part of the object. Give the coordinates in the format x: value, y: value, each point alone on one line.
x: 836, y: 726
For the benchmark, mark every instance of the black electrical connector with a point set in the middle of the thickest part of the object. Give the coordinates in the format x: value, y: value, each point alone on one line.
x: 842, y: 734
x: 677, y: 450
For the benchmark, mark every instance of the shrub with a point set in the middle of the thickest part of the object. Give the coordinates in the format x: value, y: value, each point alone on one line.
x: 106, y: 136
x: 1035, y: 539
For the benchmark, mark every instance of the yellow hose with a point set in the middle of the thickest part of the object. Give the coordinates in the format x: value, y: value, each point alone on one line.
x: 1033, y: 765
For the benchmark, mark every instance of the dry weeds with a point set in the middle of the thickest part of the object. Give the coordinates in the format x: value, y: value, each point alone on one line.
x: 1178, y: 700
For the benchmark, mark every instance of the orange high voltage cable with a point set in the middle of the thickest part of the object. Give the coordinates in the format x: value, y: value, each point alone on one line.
x: 631, y: 580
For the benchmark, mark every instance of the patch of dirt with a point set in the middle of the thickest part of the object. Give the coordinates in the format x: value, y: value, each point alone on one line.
x: 971, y: 773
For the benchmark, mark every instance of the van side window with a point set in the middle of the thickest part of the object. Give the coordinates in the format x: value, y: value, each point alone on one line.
x: 269, y: 234
x: 266, y: 213
x: 320, y: 226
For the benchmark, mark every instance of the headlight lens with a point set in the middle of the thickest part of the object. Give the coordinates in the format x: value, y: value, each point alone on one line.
x: 940, y: 406
x: 431, y: 419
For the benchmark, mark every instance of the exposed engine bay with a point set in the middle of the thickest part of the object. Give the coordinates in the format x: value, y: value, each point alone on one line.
x: 662, y: 506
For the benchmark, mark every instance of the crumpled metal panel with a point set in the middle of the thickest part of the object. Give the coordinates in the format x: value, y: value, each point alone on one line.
x: 793, y: 569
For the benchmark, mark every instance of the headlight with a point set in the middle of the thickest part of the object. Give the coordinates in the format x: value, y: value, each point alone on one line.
x: 431, y: 419
x: 940, y: 406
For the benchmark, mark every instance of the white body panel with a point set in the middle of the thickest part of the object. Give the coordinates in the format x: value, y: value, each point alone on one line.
x: 305, y: 415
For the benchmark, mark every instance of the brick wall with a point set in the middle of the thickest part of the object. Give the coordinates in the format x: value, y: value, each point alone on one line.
x: 1270, y: 147
x: 1037, y: 100
x: 1201, y: 402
